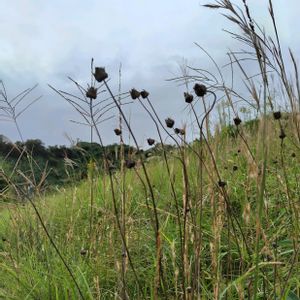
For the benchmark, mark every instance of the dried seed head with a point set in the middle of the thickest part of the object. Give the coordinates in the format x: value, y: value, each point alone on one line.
x: 222, y: 184
x: 293, y: 154
x: 100, y: 74
x: 83, y: 252
x: 237, y: 121
x: 91, y: 93
x: 169, y: 122
x: 282, y: 135
x: 188, y: 98
x: 150, y: 141
x: 130, y: 164
x: 189, y: 289
x: 234, y: 168
x: 134, y: 94
x: 144, y: 94
x: 118, y: 131
x: 179, y: 131
x: 200, y: 89
x: 277, y: 115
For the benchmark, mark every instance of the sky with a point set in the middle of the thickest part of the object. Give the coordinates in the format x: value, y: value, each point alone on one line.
x: 44, y: 42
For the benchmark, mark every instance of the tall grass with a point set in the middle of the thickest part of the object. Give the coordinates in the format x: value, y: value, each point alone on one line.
x: 216, y: 218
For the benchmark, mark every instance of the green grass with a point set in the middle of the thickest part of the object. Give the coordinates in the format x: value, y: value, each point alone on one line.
x: 31, y: 269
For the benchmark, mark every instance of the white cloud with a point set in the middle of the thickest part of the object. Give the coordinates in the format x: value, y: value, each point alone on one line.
x: 45, y: 41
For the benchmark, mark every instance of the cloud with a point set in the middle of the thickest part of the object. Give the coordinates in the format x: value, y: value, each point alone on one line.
x: 47, y: 41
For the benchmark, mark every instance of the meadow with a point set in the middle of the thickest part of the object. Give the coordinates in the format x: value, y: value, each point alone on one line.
x: 212, y: 218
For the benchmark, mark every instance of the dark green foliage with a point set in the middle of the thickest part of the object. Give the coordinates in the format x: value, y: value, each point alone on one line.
x: 64, y: 164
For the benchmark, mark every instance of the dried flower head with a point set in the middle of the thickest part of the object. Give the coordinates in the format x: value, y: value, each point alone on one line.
x: 134, y: 94
x: 169, y: 122
x: 282, y: 134
x: 222, y: 184
x: 200, y: 89
x: 100, y: 74
x: 234, y: 168
x: 237, y: 121
x: 188, y: 98
x: 91, y: 93
x: 293, y: 154
x: 179, y: 131
x: 144, y: 94
x: 150, y: 141
x: 277, y: 115
x: 83, y: 252
x: 118, y: 131
x: 130, y: 164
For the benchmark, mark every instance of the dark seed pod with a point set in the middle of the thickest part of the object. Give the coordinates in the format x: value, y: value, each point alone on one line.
x: 177, y: 130
x: 91, y: 93
x: 169, y: 122
x: 4, y: 239
x: 150, y: 141
x: 118, y: 131
x: 181, y: 131
x: 134, y: 94
x: 277, y: 115
x: 144, y: 94
x: 200, y: 89
x: 130, y: 164
x: 282, y: 135
x: 222, y: 184
x: 189, y: 289
x: 274, y: 245
x: 188, y: 98
x: 100, y: 74
x: 293, y: 154
x: 237, y: 121
x: 234, y: 168
x: 83, y: 252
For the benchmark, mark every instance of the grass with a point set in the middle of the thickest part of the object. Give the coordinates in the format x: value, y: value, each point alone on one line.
x: 31, y: 268
x: 217, y: 218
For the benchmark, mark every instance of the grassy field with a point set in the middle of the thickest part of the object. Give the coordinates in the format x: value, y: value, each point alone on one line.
x: 214, y: 218
x: 31, y: 269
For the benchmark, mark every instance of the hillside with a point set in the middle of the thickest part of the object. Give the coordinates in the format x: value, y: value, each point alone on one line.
x: 223, y: 229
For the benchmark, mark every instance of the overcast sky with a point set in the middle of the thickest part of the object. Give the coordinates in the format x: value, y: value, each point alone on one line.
x: 47, y: 41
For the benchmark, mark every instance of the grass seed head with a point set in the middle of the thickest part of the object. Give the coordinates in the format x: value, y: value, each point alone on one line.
x: 144, y: 94
x: 100, y: 74
x: 169, y: 122
x: 188, y: 98
x: 200, y: 89
x: 91, y: 93
x: 135, y: 94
